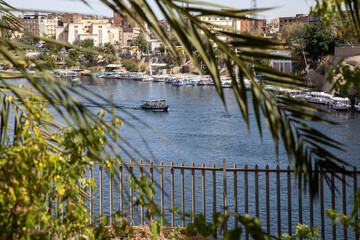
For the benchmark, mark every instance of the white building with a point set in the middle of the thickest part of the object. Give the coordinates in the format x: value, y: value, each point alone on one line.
x: 100, y: 32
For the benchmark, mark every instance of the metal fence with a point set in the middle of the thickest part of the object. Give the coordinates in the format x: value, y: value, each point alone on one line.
x: 275, y: 196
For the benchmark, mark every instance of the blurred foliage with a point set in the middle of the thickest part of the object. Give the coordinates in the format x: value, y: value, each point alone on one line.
x: 303, y: 231
x: 131, y: 65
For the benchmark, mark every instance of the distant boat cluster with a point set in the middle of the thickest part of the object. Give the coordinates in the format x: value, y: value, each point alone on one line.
x: 335, y: 103
x: 176, y: 80
x: 315, y: 97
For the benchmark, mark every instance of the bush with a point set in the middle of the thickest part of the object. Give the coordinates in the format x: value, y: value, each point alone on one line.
x: 131, y: 65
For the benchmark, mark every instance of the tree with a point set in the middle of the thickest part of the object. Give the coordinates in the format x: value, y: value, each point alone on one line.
x: 49, y: 61
x: 141, y: 42
x: 87, y: 43
x: 318, y: 42
x: 74, y: 54
x: 131, y: 65
x: 170, y: 59
x: 294, y: 33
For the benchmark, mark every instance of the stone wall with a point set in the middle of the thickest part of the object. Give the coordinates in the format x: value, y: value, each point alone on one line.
x: 346, y: 51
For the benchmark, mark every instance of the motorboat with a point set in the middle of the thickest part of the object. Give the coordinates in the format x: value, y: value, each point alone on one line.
x: 340, y: 104
x: 226, y: 84
x: 296, y: 93
x: 318, y: 98
x: 178, y: 82
x: 159, y: 105
x: 147, y: 79
x: 357, y: 107
x: 76, y: 81
x: 69, y: 76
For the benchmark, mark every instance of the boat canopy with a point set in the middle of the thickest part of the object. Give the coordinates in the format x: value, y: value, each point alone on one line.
x: 153, y: 101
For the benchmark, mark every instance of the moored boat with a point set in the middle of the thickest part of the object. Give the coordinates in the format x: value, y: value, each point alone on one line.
x: 318, y: 98
x: 357, y: 107
x: 340, y: 104
x: 159, y: 105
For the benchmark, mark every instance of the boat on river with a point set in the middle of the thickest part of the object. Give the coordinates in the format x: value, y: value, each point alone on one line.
x: 340, y: 104
x: 318, y: 98
x: 357, y: 107
x: 159, y: 105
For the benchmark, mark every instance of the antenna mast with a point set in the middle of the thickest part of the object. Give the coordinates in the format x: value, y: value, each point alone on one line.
x: 253, y: 7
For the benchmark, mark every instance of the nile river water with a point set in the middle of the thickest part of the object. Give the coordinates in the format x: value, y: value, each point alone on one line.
x: 200, y: 129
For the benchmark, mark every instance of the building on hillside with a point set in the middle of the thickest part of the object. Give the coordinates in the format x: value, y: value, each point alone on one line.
x: 37, y: 23
x: 100, y: 32
x: 246, y: 25
x: 281, y: 64
x: 273, y: 26
x: 127, y: 24
x: 298, y: 18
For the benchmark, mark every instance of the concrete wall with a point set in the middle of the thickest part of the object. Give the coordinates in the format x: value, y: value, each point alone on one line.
x: 346, y: 51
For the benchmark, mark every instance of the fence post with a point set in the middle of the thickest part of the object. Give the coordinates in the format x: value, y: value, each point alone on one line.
x: 203, y: 191
x: 101, y: 190
x: 162, y: 192
x: 121, y: 189
x: 322, y: 211
x: 267, y: 200
x: 333, y: 202
x: 193, y: 191
x: 182, y: 195
x: 214, y: 195
x: 111, y: 197
x: 131, y: 195
x: 278, y: 198
x: 172, y: 195
x: 289, y: 200
x: 246, y: 193
x: 300, y: 198
x: 152, y: 182
x: 344, y: 199
x: 235, y: 196
x: 256, y: 191
x: 91, y: 197
x: 225, y: 191
x: 142, y: 218
x: 355, y: 190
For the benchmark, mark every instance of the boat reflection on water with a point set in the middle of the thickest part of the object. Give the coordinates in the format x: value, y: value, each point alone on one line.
x: 159, y: 105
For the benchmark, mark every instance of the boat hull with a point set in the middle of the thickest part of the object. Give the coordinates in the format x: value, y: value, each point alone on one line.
x: 155, y: 109
x: 340, y: 108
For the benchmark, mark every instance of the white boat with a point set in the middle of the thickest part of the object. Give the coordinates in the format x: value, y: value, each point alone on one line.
x: 158, y: 78
x: 76, y: 81
x: 296, y: 94
x: 178, y: 82
x: 340, y: 104
x: 357, y: 107
x: 68, y: 75
x: 65, y: 73
x: 247, y: 84
x: 318, y: 97
x: 226, y: 84
x: 147, y: 79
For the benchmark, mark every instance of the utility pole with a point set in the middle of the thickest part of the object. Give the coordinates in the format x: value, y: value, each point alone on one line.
x: 253, y: 7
